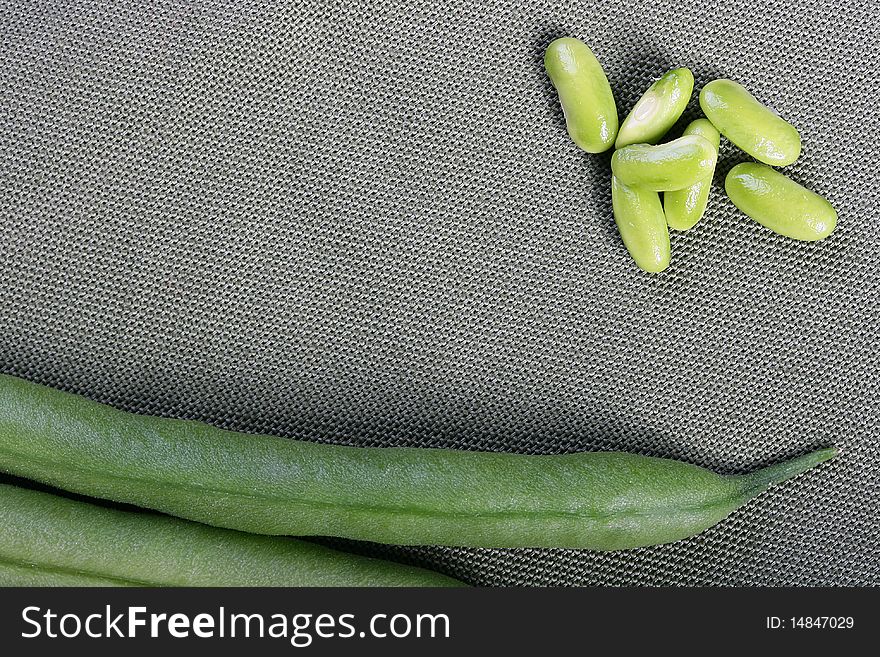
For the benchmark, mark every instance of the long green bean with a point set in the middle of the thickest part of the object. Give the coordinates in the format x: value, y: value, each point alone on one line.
x: 48, y: 540
x: 270, y: 485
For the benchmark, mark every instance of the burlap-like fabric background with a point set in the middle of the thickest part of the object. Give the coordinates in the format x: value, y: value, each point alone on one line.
x: 363, y: 222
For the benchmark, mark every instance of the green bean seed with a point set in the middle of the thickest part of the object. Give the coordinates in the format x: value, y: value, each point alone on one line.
x: 658, y: 109
x: 642, y: 225
x: 48, y: 540
x: 675, y: 165
x: 584, y: 92
x: 685, y: 207
x: 779, y: 203
x: 753, y: 127
x: 270, y: 485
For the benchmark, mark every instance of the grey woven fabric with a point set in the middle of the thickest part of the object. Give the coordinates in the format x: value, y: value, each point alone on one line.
x: 363, y: 222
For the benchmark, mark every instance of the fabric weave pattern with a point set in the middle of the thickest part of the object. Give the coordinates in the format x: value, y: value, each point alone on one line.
x: 364, y: 222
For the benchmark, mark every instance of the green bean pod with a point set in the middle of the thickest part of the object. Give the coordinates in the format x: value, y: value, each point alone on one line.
x: 753, y: 127
x: 48, y: 540
x: 666, y: 167
x: 658, y: 109
x: 779, y: 203
x: 584, y: 92
x: 642, y: 225
x: 270, y: 485
x: 685, y: 207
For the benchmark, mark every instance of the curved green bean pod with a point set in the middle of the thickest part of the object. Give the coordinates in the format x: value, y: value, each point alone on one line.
x: 270, y: 485
x: 658, y: 109
x: 685, y: 207
x: 48, y: 540
x: 642, y: 225
x: 753, y: 127
x: 666, y: 167
x: 779, y: 203
x: 584, y: 92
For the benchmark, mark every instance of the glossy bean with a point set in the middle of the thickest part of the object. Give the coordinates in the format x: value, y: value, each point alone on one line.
x: 584, y: 92
x: 48, y: 540
x: 685, y: 207
x: 751, y: 126
x: 269, y: 485
x: 642, y: 225
x: 675, y: 165
x: 779, y: 203
x: 658, y: 109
